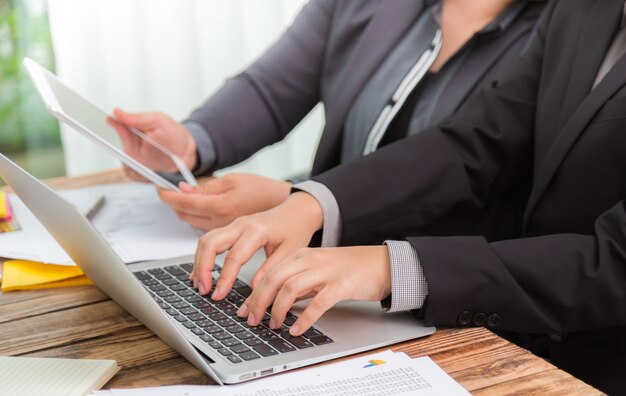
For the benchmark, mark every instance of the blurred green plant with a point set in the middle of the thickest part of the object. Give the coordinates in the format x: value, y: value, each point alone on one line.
x: 24, y: 123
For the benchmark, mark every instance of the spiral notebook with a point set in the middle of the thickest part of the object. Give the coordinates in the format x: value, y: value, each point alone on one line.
x: 48, y: 376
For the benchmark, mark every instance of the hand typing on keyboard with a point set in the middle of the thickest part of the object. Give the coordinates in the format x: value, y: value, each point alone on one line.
x: 281, y: 231
x: 327, y: 276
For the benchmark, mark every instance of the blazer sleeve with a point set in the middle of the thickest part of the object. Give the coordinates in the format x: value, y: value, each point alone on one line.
x: 545, y: 284
x: 262, y: 104
x: 467, y: 161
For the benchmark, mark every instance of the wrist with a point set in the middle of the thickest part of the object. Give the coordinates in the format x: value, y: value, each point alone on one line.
x: 190, y: 156
x: 308, y: 209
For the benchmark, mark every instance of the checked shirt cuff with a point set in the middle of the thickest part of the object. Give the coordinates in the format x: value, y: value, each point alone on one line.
x: 408, y: 283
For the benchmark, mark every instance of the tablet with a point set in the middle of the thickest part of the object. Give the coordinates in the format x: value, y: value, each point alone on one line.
x: 69, y: 107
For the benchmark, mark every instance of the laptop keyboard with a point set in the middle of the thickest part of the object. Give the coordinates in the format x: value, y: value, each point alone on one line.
x: 216, y: 322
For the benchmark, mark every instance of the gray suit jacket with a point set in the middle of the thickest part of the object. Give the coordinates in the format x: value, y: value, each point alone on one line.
x: 326, y: 56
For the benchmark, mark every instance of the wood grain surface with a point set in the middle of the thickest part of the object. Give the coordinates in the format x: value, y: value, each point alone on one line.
x: 82, y: 322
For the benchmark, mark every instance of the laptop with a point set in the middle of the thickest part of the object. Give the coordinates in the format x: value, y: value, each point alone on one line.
x: 208, y: 334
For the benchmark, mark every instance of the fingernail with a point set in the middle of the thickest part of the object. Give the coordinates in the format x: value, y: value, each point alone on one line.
x: 195, y: 283
x: 202, y: 288
x: 216, y: 293
x: 295, y: 330
x: 243, y: 311
x: 251, y: 319
x: 272, y: 324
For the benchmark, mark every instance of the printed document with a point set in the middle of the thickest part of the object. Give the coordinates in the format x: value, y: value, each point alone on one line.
x: 382, y: 374
x: 132, y: 219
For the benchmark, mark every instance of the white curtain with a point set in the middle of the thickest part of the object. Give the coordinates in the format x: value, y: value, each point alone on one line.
x: 166, y: 55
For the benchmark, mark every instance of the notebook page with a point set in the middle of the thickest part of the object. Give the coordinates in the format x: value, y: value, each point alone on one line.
x: 47, y: 376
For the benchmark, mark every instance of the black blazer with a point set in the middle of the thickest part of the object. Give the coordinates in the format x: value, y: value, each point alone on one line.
x: 327, y: 55
x: 544, y: 132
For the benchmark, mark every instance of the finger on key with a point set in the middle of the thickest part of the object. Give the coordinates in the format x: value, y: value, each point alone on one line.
x: 209, y: 246
x: 241, y: 252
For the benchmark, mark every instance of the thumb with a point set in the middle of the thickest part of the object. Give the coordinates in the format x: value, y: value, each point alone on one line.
x: 215, y: 186
x: 136, y: 120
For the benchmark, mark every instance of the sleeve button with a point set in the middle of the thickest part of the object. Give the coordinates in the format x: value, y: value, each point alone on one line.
x: 464, y: 318
x: 494, y: 320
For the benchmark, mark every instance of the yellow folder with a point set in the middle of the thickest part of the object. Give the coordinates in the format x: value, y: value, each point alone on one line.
x: 29, y: 275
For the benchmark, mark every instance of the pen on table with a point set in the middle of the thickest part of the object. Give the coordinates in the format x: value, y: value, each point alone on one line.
x: 95, y: 208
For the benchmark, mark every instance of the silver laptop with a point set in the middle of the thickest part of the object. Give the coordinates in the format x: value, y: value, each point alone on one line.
x: 208, y: 334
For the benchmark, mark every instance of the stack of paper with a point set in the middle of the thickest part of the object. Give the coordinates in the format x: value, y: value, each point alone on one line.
x: 383, y: 374
x: 28, y: 275
x: 133, y: 220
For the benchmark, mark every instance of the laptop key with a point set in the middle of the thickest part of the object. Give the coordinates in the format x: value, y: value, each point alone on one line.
x: 225, y: 322
x: 193, y: 298
x: 205, y: 323
x: 171, y: 312
x: 174, y: 270
x: 253, y: 342
x: 230, y: 342
x: 221, y: 335
x: 178, y: 286
x: 238, y: 284
x: 201, y: 304
x: 250, y: 355
x: 267, y: 336
x: 187, y: 267
x: 197, y: 331
x: 234, y: 329
x: 141, y: 275
x: 171, y: 282
x: 180, y: 304
x: 180, y: 318
x: 265, y: 350
x: 215, y: 345
x: 225, y: 351
x: 239, y: 349
x: 189, y: 325
x: 321, y: 340
x: 188, y: 311
x: 206, y: 338
x: 197, y: 317
x: 209, y: 310
x: 290, y: 319
x: 245, y: 291
x: 172, y: 299
x: 281, y: 345
x: 299, y: 342
x: 244, y: 335
x: 217, y: 316
x: 310, y: 333
x: 234, y: 359
x: 185, y: 293
x: 213, y: 329
x: 164, y: 305
x: 165, y: 293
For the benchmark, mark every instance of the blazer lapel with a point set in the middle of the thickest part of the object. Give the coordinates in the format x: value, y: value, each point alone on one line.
x: 613, y: 82
x: 476, y: 66
x: 594, y: 41
x: 387, y: 27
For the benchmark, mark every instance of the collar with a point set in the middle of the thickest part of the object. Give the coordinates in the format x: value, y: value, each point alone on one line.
x: 500, y: 23
x: 506, y: 18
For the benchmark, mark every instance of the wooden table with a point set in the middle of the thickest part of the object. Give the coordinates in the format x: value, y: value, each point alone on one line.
x: 82, y: 322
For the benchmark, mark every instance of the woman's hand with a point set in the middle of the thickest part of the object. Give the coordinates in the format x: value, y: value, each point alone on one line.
x: 327, y: 275
x: 218, y: 202
x: 281, y: 231
x: 164, y: 130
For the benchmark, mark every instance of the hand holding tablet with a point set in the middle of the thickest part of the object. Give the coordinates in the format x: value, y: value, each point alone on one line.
x: 94, y: 123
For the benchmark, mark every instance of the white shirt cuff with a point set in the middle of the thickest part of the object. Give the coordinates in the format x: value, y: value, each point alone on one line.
x: 331, y: 232
x: 408, y: 283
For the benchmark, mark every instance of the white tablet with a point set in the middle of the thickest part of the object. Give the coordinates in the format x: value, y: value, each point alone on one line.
x: 67, y: 106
